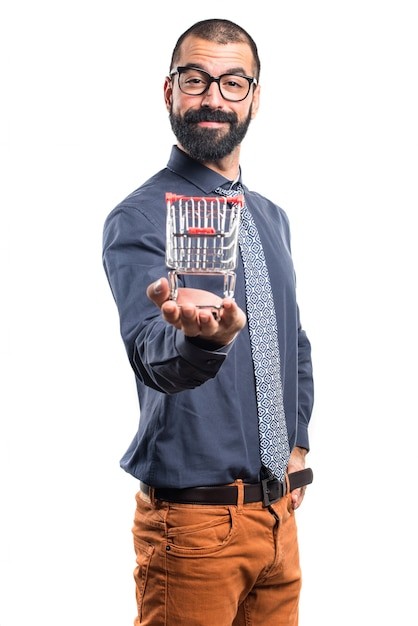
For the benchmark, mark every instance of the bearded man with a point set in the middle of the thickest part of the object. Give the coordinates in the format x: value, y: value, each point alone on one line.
x: 225, y: 399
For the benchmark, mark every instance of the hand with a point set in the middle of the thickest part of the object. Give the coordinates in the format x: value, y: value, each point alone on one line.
x: 185, y: 315
x: 297, y: 463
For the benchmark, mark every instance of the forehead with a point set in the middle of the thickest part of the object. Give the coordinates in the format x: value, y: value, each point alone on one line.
x: 216, y: 58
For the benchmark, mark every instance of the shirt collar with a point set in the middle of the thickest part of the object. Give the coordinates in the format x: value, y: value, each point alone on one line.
x: 199, y: 175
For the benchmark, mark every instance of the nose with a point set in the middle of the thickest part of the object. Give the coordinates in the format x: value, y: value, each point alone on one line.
x: 212, y: 97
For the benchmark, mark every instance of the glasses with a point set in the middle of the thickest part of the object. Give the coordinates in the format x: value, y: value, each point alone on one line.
x: 196, y: 82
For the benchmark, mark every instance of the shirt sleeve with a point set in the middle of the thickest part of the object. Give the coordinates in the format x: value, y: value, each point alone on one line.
x: 160, y: 355
x: 305, y: 389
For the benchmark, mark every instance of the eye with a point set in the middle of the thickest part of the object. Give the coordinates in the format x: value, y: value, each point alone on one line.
x: 233, y: 82
x: 194, y: 80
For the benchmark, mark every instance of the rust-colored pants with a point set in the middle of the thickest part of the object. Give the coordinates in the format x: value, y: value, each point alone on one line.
x: 205, y: 565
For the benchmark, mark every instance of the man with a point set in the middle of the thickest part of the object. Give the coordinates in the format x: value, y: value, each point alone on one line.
x: 215, y: 531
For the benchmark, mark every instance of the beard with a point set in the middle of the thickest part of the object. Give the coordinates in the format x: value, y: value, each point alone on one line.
x: 208, y: 144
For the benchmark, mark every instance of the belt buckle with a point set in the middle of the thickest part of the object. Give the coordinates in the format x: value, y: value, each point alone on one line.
x: 269, y: 486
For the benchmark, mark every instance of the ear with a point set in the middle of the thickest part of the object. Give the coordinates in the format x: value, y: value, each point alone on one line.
x: 168, y: 93
x: 256, y: 102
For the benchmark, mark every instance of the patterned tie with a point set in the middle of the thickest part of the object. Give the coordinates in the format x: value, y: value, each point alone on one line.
x: 262, y: 325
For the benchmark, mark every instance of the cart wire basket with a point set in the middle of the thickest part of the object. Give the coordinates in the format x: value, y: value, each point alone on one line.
x: 202, y: 238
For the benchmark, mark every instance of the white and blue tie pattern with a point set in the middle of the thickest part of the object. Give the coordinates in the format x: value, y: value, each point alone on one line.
x: 262, y: 325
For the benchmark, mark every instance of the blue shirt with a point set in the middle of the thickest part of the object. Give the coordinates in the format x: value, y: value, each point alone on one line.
x: 198, y: 416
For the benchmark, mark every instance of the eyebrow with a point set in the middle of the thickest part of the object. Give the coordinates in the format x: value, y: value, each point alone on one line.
x: 231, y: 70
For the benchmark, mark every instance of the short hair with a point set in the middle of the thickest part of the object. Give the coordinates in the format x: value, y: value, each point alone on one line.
x: 220, y: 31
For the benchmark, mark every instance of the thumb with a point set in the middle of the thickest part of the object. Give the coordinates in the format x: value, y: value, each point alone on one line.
x: 159, y: 291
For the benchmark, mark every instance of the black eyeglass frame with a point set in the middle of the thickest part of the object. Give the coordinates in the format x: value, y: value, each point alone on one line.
x: 213, y: 79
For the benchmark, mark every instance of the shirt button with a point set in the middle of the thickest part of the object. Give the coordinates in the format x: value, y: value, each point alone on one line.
x: 211, y: 362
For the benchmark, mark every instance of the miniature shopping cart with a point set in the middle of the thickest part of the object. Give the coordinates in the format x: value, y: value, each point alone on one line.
x: 202, y: 238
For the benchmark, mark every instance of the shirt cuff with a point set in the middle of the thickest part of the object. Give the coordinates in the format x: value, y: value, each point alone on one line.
x: 200, y: 352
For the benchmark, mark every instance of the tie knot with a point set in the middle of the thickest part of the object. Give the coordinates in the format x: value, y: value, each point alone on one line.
x: 230, y: 190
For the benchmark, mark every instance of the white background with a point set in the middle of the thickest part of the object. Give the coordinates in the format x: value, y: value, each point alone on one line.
x: 83, y: 123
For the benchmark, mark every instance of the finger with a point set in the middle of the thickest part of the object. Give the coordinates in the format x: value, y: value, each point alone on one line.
x: 297, y: 497
x: 171, y: 313
x: 295, y: 501
x: 190, y: 319
x: 159, y: 291
x: 209, y: 319
x: 231, y: 314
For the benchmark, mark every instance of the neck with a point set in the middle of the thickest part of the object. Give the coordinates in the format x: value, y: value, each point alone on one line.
x: 227, y: 167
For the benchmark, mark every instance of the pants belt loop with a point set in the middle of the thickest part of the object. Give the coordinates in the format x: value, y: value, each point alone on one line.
x: 240, y: 495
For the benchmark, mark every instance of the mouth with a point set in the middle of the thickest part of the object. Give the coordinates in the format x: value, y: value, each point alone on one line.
x: 209, y: 118
x: 207, y: 124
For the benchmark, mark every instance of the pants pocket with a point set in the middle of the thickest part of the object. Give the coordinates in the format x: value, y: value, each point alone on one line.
x: 198, y: 531
x: 144, y: 552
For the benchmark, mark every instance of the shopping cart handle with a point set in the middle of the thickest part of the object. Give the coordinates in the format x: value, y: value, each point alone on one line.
x: 201, y: 231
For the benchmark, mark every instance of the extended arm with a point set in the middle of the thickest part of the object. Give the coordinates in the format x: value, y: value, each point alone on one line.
x: 173, y: 349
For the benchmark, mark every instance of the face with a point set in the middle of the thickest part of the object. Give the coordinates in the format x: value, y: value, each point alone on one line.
x: 208, y: 127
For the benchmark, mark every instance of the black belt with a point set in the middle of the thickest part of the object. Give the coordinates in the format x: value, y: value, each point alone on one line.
x: 266, y: 491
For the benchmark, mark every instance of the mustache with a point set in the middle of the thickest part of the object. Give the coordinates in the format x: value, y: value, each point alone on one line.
x: 194, y: 116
